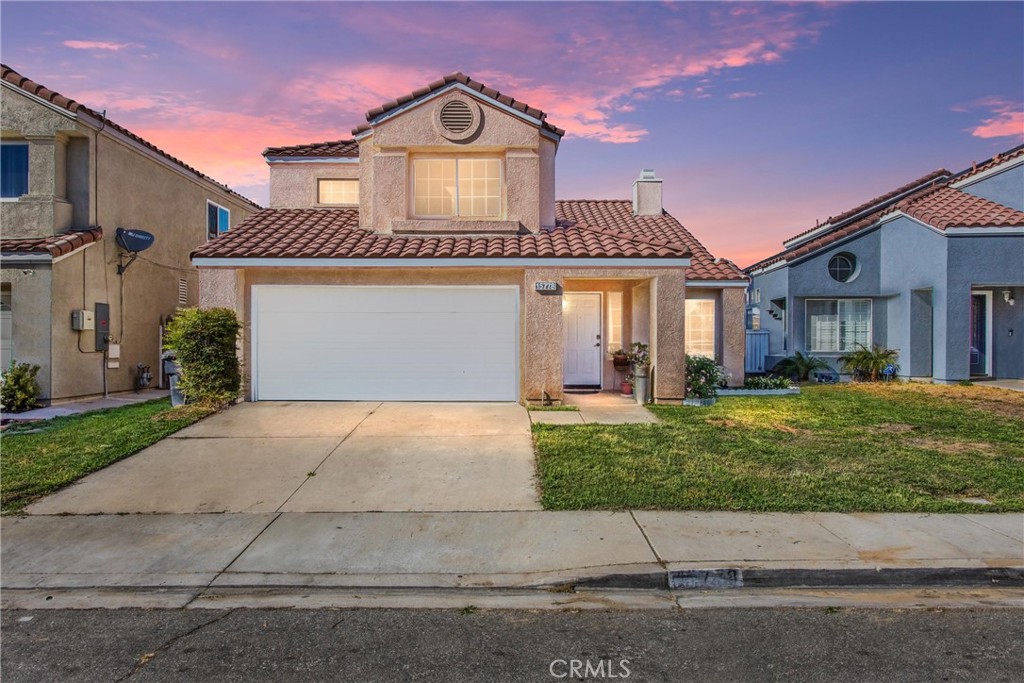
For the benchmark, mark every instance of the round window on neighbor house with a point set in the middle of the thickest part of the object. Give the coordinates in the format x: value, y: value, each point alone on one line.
x: 842, y: 267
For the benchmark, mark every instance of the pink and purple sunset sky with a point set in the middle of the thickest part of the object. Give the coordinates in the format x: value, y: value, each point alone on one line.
x: 760, y: 117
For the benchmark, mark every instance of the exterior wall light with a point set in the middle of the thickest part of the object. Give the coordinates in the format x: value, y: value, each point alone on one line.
x: 1008, y: 297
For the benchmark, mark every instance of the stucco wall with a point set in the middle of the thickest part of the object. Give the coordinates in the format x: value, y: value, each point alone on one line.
x: 1005, y: 188
x: 385, y: 160
x: 540, y: 315
x: 774, y: 285
x: 108, y: 181
x: 294, y: 185
x: 733, y: 333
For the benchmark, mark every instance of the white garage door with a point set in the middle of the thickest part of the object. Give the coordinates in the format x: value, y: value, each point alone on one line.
x: 315, y: 343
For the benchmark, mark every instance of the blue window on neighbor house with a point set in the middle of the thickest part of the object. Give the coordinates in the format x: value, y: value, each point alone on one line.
x: 13, y: 169
x: 218, y: 220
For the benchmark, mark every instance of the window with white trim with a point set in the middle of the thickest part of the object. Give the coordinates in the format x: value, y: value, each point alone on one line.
x: 838, y: 325
x: 218, y: 219
x: 700, y: 327
x: 337, y: 191
x: 614, y: 333
x: 469, y: 187
x: 13, y: 169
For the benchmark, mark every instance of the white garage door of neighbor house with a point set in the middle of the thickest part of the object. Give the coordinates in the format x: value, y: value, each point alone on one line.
x: 334, y: 343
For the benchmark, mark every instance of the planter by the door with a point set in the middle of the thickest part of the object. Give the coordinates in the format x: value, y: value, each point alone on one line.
x: 641, y: 390
x: 700, y: 402
x: 627, y: 389
x: 620, y: 361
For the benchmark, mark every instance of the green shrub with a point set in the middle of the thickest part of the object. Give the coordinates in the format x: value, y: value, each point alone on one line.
x: 767, y: 383
x: 18, y: 389
x: 205, y: 339
x: 868, y: 364
x: 799, y: 367
x: 702, y: 377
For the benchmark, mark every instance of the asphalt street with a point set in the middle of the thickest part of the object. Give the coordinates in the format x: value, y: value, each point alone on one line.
x: 827, y: 644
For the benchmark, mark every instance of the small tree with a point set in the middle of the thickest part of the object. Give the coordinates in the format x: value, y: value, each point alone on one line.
x: 19, y: 390
x: 204, y: 340
x: 869, y: 364
x: 800, y: 366
x: 703, y: 376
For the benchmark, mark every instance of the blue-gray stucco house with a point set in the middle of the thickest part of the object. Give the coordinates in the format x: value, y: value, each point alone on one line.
x: 934, y: 269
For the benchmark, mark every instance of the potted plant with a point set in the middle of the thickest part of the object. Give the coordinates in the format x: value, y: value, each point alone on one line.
x: 620, y: 359
x: 640, y: 359
x: 627, y: 386
x: 702, y: 379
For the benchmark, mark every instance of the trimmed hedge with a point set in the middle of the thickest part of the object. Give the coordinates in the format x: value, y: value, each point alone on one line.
x: 205, y: 340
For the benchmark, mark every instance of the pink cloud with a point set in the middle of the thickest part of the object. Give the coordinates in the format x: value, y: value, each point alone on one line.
x: 742, y: 94
x: 1005, y: 118
x: 98, y: 45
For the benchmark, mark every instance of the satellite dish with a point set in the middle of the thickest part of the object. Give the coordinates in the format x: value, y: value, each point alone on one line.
x: 134, y: 240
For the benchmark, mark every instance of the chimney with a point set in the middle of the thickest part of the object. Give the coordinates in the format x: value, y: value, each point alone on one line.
x: 647, y: 194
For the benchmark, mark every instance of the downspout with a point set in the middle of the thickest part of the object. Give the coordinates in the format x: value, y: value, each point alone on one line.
x: 96, y: 215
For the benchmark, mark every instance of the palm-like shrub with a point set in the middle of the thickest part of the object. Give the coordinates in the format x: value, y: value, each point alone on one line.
x: 868, y: 364
x: 800, y: 366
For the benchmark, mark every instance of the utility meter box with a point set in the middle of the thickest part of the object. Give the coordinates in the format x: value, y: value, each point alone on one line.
x: 83, y: 320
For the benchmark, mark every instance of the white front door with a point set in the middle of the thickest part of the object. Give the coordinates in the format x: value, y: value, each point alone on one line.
x: 581, y: 340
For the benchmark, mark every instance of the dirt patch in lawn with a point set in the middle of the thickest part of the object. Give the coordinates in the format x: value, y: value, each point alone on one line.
x: 894, y: 427
x: 953, y: 447
x: 791, y: 430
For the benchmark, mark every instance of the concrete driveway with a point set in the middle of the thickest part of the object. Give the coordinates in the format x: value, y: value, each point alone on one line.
x: 323, y: 457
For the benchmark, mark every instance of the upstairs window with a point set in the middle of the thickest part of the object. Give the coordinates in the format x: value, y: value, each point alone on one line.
x: 457, y: 187
x: 13, y: 169
x: 341, y: 192
x: 218, y: 220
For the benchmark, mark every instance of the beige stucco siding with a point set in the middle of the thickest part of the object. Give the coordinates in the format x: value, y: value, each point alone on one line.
x: 84, y: 177
x: 734, y: 334
x: 293, y: 184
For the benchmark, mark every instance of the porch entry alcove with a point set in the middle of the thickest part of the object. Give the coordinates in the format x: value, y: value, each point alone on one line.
x: 600, y: 316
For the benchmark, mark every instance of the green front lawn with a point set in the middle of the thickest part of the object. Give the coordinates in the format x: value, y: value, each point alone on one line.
x: 66, y: 449
x: 884, y: 447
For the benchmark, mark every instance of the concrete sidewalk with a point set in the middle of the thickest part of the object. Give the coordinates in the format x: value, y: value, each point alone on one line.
x: 88, y: 405
x: 179, y: 560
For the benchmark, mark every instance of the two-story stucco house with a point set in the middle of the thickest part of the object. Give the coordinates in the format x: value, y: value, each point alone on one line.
x: 934, y: 269
x: 428, y: 259
x: 70, y: 178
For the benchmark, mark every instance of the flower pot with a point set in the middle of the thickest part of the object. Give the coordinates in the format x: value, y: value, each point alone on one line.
x: 627, y: 389
x: 621, y: 361
x: 641, y: 390
x: 700, y: 402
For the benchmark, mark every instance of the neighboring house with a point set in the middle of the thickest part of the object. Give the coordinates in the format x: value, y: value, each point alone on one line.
x: 427, y: 259
x: 934, y: 269
x: 70, y: 178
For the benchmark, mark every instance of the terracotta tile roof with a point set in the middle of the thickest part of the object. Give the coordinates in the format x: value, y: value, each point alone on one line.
x: 462, y: 78
x: 336, y: 148
x: 617, y: 215
x: 990, y: 163
x: 945, y: 207
x: 16, y: 79
x: 887, y: 197
x: 334, y: 233
x: 54, y: 245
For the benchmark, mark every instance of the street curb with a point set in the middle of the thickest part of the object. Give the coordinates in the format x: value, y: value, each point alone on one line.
x: 736, y: 577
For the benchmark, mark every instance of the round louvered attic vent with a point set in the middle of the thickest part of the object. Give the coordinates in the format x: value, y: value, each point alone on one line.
x: 456, y: 116
x: 458, y: 119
